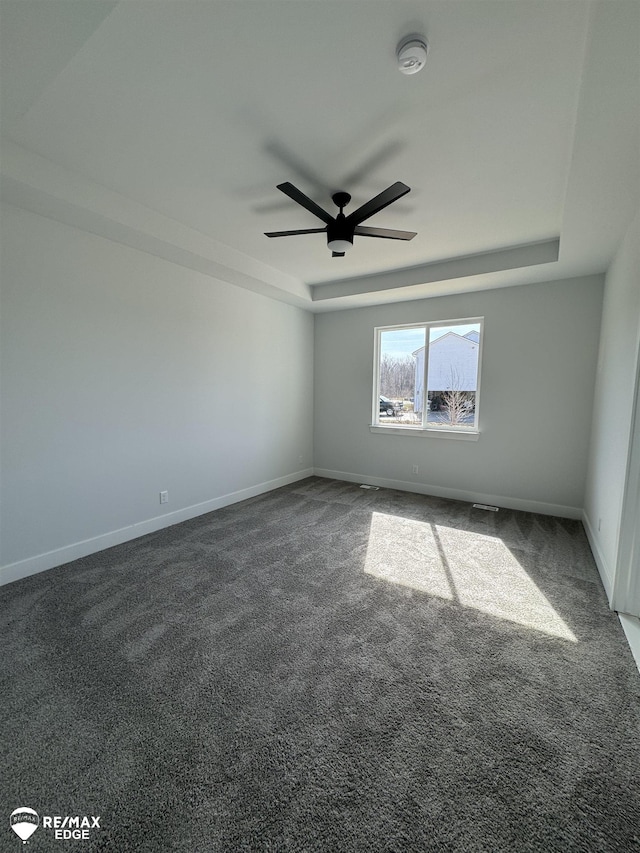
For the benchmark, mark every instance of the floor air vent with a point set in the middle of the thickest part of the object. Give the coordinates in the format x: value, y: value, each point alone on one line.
x: 486, y: 506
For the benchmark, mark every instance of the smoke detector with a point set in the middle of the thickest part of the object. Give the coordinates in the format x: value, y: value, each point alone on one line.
x: 412, y: 54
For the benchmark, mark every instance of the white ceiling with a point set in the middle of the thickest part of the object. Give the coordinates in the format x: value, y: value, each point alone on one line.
x: 167, y: 125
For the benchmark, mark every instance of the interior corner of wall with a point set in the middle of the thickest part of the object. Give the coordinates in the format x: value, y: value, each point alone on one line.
x: 604, y: 570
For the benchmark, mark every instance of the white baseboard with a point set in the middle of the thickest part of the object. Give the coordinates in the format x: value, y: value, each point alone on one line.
x: 631, y: 626
x: 606, y: 575
x: 51, y: 559
x: 456, y: 494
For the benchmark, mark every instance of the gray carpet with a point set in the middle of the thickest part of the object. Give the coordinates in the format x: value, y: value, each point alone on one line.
x: 324, y: 668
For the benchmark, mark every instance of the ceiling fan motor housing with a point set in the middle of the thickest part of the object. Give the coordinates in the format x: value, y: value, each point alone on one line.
x: 340, y: 233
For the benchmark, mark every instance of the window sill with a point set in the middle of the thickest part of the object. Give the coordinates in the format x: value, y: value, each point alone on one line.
x: 458, y: 434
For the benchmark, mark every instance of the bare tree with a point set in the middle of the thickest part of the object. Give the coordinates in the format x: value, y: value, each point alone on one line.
x: 458, y: 402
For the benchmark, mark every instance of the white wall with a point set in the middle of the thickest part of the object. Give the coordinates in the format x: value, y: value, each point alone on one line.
x: 614, y: 400
x: 124, y: 375
x: 539, y: 358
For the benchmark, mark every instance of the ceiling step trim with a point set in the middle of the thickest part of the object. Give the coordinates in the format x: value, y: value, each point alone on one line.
x: 509, y: 258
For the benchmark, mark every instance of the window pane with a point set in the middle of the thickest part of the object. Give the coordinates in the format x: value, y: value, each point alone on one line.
x: 452, y: 379
x: 397, y: 371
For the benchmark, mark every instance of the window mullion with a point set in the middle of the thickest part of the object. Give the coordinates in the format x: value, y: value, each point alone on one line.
x: 377, y: 388
x: 425, y: 390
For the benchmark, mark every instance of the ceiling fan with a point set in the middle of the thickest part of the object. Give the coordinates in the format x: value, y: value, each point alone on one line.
x: 341, y: 229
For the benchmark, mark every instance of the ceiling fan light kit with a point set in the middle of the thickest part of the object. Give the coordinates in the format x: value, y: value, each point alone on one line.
x: 339, y: 247
x: 412, y: 54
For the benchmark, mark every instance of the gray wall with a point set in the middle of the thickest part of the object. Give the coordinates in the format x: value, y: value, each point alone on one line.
x: 618, y: 365
x: 124, y: 375
x: 539, y: 360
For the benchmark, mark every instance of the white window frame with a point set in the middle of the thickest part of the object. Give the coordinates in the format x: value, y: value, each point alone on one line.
x: 425, y: 429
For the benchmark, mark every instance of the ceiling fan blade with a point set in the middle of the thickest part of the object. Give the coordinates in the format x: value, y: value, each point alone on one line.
x: 383, y: 199
x: 338, y: 254
x: 292, y: 233
x: 298, y: 196
x: 386, y: 233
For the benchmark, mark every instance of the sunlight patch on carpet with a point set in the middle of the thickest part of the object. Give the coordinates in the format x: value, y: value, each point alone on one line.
x: 406, y: 552
x: 476, y: 570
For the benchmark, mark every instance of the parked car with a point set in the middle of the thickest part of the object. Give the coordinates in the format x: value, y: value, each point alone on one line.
x: 388, y: 407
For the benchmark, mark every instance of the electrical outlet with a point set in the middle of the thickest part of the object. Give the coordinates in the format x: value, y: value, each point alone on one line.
x: 415, y: 469
x: 164, y: 497
x: 299, y: 458
x: 599, y: 524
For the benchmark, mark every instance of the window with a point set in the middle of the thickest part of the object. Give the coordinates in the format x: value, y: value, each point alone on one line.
x: 427, y: 377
